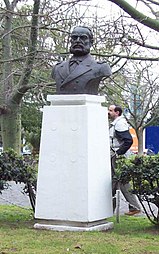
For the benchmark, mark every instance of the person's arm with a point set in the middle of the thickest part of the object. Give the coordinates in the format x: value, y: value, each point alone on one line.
x: 125, y: 139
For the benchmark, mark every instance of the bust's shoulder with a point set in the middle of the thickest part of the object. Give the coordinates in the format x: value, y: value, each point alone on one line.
x: 104, y: 67
x: 98, y: 62
x: 59, y: 65
x: 61, y: 62
x: 92, y: 59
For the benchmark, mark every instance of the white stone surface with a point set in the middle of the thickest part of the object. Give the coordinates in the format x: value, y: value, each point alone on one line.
x: 74, y: 177
x: 102, y: 227
x: 76, y: 99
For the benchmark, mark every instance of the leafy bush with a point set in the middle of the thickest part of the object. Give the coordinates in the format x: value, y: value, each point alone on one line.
x: 143, y: 173
x: 19, y: 169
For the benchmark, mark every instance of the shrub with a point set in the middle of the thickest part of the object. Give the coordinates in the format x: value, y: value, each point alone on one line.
x: 19, y: 169
x: 143, y: 174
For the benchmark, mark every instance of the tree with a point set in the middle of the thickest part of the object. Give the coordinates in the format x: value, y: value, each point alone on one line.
x: 11, y: 93
x: 139, y: 16
x: 136, y: 89
x: 26, y: 60
x: 132, y: 39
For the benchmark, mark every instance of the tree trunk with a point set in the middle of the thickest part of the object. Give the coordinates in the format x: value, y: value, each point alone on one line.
x: 10, y: 94
x: 11, y: 130
x: 139, y: 133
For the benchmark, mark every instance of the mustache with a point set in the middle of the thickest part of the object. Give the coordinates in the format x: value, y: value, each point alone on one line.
x: 77, y: 44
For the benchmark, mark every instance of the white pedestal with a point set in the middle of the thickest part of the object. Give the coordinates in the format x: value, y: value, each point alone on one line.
x: 74, y: 178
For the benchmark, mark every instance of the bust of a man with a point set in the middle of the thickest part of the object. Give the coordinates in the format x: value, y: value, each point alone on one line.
x: 81, y: 74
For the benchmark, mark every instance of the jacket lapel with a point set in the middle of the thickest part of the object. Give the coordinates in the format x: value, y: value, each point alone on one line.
x: 63, y: 70
x: 85, y: 66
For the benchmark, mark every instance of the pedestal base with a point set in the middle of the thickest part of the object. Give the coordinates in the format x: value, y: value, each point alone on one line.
x: 102, y: 227
x: 74, y: 189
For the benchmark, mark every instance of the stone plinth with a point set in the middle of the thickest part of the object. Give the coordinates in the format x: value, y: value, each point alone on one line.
x: 74, y: 177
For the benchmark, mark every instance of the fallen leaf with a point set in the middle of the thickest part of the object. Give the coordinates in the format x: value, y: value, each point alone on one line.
x: 78, y: 246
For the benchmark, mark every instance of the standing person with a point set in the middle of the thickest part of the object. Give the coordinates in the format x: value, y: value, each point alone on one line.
x: 120, y: 141
x: 81, y: 74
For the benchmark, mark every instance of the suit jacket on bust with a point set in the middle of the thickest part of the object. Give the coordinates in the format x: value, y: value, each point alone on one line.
x: 84, y: 79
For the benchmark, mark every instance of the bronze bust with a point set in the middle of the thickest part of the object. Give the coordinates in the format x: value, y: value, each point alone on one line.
x: 81, y: 74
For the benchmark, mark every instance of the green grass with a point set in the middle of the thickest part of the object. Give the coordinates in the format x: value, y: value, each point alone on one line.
x: 133, y: 235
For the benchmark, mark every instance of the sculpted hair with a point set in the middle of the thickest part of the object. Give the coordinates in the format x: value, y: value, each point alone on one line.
x: 118, y: 108
x: 89, y: 30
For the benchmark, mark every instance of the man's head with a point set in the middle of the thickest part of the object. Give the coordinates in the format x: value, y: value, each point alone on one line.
x: 81, y: 41
x: 114, y: 111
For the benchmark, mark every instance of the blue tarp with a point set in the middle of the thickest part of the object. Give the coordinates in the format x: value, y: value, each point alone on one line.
x: 152, y: 138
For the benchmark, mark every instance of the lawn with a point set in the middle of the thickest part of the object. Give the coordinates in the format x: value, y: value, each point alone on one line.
x: 133, y: 235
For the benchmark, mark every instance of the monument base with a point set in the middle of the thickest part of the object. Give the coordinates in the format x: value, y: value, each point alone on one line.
x: 74, y: 190
x: 71, y: 226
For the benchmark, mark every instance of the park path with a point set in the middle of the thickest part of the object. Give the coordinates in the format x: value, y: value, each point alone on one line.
x: 15, y: 195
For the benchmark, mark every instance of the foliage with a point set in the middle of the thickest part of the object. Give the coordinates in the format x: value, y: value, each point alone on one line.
x: 19, y: 169
x: 143, y: 173
x: 31, y: 117
x: 133, y: 235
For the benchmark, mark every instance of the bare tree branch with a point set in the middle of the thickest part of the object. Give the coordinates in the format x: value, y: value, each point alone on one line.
x: 31, y: 54
x: 140, y: 17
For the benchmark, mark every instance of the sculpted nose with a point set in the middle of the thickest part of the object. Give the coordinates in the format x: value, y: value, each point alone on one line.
x: 78, y: 39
